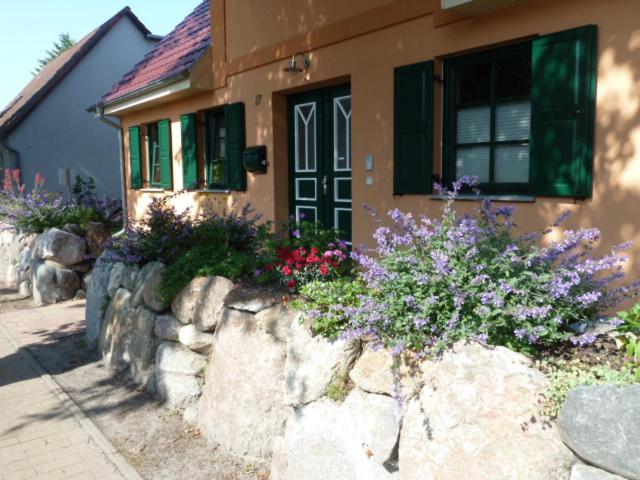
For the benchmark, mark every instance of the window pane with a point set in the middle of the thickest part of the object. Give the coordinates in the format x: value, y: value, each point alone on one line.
x: 305, y: 127
x: 473, y: 161
x: 342, y: 140
x: 311, y: 142
x: 475, y: 83
x: 513, y: 121
x: 513, y: 76
x: 512, y: 164
x: 474, y: 125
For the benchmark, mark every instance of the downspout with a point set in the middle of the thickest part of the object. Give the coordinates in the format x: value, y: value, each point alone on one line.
x: 4, y: 138
x: 99, y: 110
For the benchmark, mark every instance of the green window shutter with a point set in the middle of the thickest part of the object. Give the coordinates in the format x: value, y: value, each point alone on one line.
x: 164, y: 151
x: 189, y: 151
x: 234, y: 117
x: 135, y: 157
x: 413, y: 129
x: 563, y: 91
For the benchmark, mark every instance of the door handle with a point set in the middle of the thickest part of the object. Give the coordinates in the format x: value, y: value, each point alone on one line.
x: 324, y: 184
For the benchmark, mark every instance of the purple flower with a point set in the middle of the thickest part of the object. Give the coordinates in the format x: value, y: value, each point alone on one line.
x: 586, y: 338
x: 296, y: 233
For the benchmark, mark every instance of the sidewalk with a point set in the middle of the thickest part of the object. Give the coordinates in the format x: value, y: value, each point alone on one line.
x: 43, y: 434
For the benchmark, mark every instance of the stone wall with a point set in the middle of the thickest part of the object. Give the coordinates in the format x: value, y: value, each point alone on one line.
x: 53, y: 266
x: 247, y: 370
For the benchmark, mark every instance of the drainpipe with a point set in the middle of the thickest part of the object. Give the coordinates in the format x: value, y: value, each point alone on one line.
x: 99, y: 111
x: 4, y: 138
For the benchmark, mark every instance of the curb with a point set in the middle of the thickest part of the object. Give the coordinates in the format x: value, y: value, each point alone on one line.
x: 104, y: 445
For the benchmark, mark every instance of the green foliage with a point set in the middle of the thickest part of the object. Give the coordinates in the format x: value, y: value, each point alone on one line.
x: 51, y: 216
x: 64, y: 43
x: 204, y: 261
x: 563, y: 378
x: 631, y: 319
x: 339, y: 388
x: 325, y: 302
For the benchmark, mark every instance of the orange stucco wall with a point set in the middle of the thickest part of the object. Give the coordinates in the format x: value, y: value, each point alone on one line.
x: 365, y: 49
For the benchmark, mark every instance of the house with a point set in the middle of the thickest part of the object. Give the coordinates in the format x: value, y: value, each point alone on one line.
x: 369, y: 102
x: 47, y: 128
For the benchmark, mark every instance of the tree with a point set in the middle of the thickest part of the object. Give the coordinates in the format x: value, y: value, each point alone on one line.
x: 64, y: 43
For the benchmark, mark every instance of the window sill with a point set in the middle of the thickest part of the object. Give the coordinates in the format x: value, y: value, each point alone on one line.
x: 151, y: 190
x: 494, y: 198
x: 212, y: 190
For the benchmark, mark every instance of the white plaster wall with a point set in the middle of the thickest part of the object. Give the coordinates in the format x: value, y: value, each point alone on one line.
x: 60, y: 133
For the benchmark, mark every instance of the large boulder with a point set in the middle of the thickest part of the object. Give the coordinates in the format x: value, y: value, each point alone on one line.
x: 252, y: 299
x: 60, y: 246
x: 374, y: 373
x: 122, y: 275
x: 97, y: 299
x: 16, y: 254
x: 97, y: 236
x: 353, y: 441
x: 167, y: 327
x: 242, y: 407
x: 194, y: 339
x: 178, y: 374
x: 471, y: 416
x: 115, y: 331
x: 126, y: 339
x: 586, y: 472
x: 202, y: 301
x: 312, y: 362
x: 147, y: 287
x: 52, y: 284
x: 600, y: 424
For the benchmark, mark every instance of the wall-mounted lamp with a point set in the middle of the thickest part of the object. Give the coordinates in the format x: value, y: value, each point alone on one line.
x: 294, y: 67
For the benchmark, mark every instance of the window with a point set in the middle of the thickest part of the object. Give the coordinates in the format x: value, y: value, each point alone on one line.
x: 153, y: 156
x: 217, y: 167
x: 224, y: 142
x: 488, y: 111
x: 521, y: 118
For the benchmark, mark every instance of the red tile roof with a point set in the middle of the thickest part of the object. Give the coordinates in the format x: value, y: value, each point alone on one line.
x: 174, y: 55
x: 56, y: 70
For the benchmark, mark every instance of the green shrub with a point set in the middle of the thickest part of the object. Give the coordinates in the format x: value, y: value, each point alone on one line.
x: 563, y: 378
x: 324, y: 303
x: 205, y: 261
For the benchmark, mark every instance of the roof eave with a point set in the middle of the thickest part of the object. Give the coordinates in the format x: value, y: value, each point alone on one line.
x: 164, y: 88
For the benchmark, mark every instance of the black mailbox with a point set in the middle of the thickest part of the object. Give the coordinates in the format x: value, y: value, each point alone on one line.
x: 254, y: 159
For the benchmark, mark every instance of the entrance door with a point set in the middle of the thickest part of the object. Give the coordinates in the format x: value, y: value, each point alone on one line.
x: 320, y: 157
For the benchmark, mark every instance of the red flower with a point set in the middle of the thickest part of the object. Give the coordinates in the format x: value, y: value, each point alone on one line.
x: 291, y: 283
x: 299, y: 266
x: 315, y: 251
x: 287, y: 271
x: 324, y: 270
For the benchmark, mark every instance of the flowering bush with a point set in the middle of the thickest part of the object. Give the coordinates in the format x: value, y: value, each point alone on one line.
x: 39, y: 210
x: 304, y: 252
x: 164, y: 234
x: 432, y: 282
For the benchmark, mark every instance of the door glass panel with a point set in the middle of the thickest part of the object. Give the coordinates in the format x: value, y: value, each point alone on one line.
x: 342, y: 133
x: 474, y: 125
x: 306, y: 214
x: 512, y: 163
x: 473, y: 161
x: 305, y: 137
x: 513, y: 121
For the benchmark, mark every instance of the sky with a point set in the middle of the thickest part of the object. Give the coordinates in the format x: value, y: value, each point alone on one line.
x: 29, y: 27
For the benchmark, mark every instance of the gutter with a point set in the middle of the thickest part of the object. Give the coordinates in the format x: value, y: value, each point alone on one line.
x: 98, y: 110
x: 4, y: 138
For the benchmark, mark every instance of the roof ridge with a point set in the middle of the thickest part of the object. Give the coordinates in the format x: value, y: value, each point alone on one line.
x: 173, y: 56
x: 58, y: 68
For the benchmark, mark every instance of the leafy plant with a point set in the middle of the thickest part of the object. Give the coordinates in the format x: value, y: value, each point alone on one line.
x: 431, y: 282
x: 563, y: 378
x: 39, y: 210
x: 205, y: 261
x: 339, y: 388
x: 64, y: 43
x: 326, y: 304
